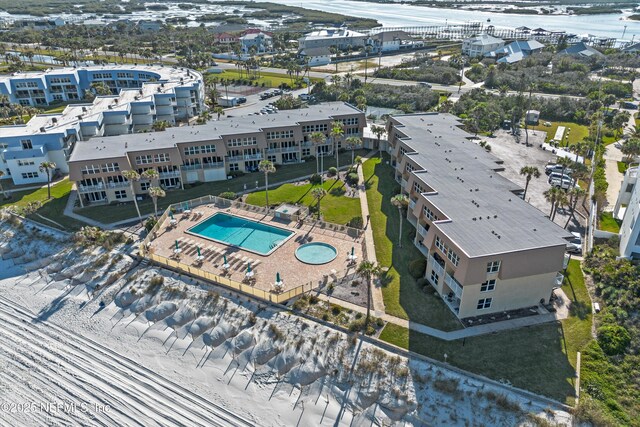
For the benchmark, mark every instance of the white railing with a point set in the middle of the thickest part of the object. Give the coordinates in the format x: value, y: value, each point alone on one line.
x: 422, y: 230
x: 559, y: 279
x: 170, y: 174
x: 435, y: 266
x: 216, y: 165
x: 245, y: 157
x: 100, y: 187
x: 283, y: 150
x: 412, y: 204
x: 453, y: 284
x: 403, y: 183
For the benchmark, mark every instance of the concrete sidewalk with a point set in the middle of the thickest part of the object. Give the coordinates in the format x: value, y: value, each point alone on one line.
x: 376, y: 291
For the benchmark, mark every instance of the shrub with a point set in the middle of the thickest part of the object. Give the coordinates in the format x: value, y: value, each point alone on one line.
x: 352, y: 179
x: 313, y: 299
x: 154, y: 284
x: 332, y: 171
x: 325, y: 317
x: 150, y: 223
x: 230, y: 195
x: 613, y: 339
x: 379, y: 322
x: 335, y: 310
x: 422, y: 282
x: 356, y: 222
x: 315, y: 179
x: 417, y: 268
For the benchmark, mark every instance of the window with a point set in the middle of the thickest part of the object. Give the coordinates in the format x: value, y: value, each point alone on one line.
x: 208, y: 148
x: 110, y: 167
x: 121, y: 194
x: 314, y: 128
x: 271, y: 158
x: 143, y: 160
x: 233, y: 167
x: 429, y: 214
x: 440, y: 244
x: 484, y: 303
x: 29, y: 175
x: 161, y: 158
x: 280, y: 134
x: 26, y: 163
x: 493, y: 266
x: 409, y: 168
x: 90, y: 169
x: 26, y: 144
x: 144, y: 186
x: 434, y: 277
x: 238, y: 142
x: 418, y: 188
x: 488, y: 286
x: 453, y: 257
x: 402, y: 151
x: 190, y: 151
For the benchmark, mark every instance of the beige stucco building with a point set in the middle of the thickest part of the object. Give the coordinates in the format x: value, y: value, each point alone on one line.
x: 487, y: 250
x: 204, y: 153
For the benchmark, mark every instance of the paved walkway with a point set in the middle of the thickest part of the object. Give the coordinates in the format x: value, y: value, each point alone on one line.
x: 612, y: 156
x: 376, y: 294
x: 472, y: 331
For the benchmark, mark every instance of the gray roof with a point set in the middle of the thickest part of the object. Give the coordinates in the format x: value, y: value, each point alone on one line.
x: 485, y: 217
x: 315, y: 51
x: 117, y: 146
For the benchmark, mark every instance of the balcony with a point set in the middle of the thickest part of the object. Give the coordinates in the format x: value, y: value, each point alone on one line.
x: 217, y: 165
x: 192, y: 167
x: 240, y: 158
x: 422, y: 231
x: 403, y: 183
x: 294, y: 149
x: 101, y: 186
x: 170, y: 174
x: 559, y: 279
x: 453, y: 285
x: 412, y: 204
x: 435, y: 266
x: 418, y: 244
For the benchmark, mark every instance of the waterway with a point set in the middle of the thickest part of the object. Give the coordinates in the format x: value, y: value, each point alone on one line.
x: 401, y: 15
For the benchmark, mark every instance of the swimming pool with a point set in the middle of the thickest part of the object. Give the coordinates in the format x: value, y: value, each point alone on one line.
x: 249, y: 235
x: 316, y: 253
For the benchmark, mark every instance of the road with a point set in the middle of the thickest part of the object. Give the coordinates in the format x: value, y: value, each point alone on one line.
x: 42, y: 363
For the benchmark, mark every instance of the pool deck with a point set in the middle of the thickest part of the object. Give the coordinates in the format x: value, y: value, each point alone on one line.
x: 283, y: 260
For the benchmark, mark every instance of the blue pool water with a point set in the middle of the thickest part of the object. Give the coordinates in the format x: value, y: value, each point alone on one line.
x: 246, y: 234
x: 316, y: 253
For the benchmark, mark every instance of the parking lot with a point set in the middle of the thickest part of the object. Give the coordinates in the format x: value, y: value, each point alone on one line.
x: 516, y: 155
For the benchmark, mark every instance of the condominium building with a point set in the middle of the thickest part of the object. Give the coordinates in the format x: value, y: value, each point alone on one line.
x: 203, y: 153
x: 141, y: 96
x: 487, y: 250
x: 340, y: 38
x: 628, y: 208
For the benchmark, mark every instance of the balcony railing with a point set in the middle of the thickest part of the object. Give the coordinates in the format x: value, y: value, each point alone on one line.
x: 453, y: 284
x: 412, y: 204
x: 245, y: 157
x: 422, y: 230
x: 216, y: 165
x: 283, y: 150
x: 403, y: 183
x: 435, y: 266
x: 559, y: 279
x: 170, y: 174
x: 101, y: 186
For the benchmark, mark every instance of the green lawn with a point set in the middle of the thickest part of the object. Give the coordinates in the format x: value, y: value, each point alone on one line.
x: 540, y: 358
x: 284, y: 173
x: 572, y: 134
x: 335, y: 207
x: 402, y: 296
x: 52, y: 209
x: 269, y: 79
x: 608, y: 223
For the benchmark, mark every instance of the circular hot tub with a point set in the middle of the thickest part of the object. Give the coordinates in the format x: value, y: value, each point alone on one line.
x: 316, y: 253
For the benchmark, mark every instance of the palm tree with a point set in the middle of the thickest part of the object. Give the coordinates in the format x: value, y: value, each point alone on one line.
x: 1, y: 187
x: 132, y: 176
x: 317, y: 138
x: 581, y: 148
x: 150, y: 174
x: 266, y: 167
x: 401, y: 202
x: 160, y: 125
x: 556, y: 196
x: 156, y: 192
x: 353, y: 142
x: 318, y: 193
x: 378, y: 131
x: 219, y: 111
x: 368, y: 270
x: 565, y: 162
x: 48, y: 167
x: 529, y: 172
x: 337, y: 131
x: 575, y: 194
x: 357, y: 162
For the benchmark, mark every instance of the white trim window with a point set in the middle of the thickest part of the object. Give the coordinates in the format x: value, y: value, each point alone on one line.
x: 144, y: 160
x: 161, y: 158
x: 418, y: 188
x: 488, y: 286
x: 29, y: 175
x: 110, y: 167
x: 484, y: 303
x: 120, y: 194
x: 429, y: 214
x: 493, y: 267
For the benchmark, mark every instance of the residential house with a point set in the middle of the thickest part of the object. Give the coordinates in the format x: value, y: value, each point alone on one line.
x: 581, y: 49
x: 339, y: 38
x: 225, y: 38
x: 387, y: 41
x: 480, y: 45
x: 261, y: 42
x: 316, y: 56
x: 516, y: 51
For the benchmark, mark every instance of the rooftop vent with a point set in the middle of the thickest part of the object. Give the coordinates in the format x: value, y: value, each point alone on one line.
x: 84, y: 109
x: 43, y: 129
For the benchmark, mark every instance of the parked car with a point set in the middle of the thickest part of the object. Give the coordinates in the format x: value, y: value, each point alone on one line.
x: 556, y: 176
x: 564, y: 183
x: 304, y: 96
x: 549, y: 169
x: 425, y: 84
x: 574, y: 246
x: 242, y: 100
